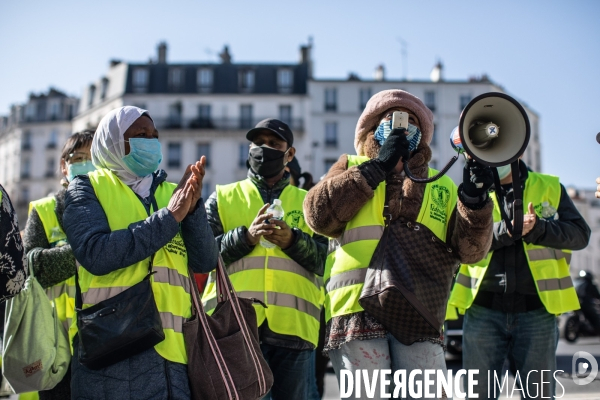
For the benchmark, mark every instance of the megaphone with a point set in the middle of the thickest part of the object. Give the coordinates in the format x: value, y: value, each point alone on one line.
x: 493, y: 129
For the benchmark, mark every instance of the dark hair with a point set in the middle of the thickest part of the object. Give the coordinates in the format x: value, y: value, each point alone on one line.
x: 77, y: 141
x: 296, y: 173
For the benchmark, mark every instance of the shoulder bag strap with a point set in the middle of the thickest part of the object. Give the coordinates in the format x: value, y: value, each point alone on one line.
x: 198, y: 310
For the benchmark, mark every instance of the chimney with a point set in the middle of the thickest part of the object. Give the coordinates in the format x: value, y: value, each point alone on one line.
x: 225, y: 56
x: 305, y: 55
x: 380, y: 73
x: 436, y: 73
x: 162, y: 53
x: 114, y: 62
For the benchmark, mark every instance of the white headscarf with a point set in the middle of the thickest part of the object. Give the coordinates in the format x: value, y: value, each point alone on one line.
x: 108, y: 147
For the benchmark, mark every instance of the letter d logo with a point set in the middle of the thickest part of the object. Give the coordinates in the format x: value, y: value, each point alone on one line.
x: 582, y: 367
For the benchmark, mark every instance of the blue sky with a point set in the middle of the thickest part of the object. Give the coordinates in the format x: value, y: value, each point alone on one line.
x: 545, y: 53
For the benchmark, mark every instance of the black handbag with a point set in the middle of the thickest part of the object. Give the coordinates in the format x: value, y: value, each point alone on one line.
x: 119, y: 327
x: 408, y: 281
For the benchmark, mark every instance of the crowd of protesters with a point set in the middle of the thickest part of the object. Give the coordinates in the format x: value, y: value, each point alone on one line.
x: 117, y: 222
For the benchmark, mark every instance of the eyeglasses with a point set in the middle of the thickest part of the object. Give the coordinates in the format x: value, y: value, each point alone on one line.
x: 78, y: 157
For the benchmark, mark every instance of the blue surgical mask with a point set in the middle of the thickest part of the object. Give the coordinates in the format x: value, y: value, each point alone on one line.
x: 503, y: 171
x: 385, y: 128
x: 79, y: 168
x: 144, y: 156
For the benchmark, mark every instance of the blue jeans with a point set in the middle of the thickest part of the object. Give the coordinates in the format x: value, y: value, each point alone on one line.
x: 290, y: 372
x: 527, y: 339
x: 386, y: 353
x: 313, y: 390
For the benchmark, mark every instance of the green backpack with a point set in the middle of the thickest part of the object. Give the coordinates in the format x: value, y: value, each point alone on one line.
x: 36, y: 353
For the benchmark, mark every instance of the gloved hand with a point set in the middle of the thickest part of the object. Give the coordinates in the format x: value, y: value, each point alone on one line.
x: 477, y: 178
x: 395, y: 147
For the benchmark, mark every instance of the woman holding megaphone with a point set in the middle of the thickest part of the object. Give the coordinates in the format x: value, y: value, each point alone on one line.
x: 395, y: 243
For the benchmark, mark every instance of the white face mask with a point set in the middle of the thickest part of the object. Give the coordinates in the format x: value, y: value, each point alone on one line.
x: 503, y: 171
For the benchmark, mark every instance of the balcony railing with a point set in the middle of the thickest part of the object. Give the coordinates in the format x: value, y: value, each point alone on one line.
x: 223, y: 124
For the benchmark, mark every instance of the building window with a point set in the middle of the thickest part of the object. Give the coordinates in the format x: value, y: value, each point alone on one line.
x: 285, y: 80
x: 243, y: 155
x: 329, y: 163
x: 175, y: 111
x: 285, y: 114
x: 174, y: 155
x: 54, y: 110
x: 50, y: 167
x: 176, y: 78
x: 26, y: 143
x: 331, y: 99
x: 103, y: 88
x: 203, y: 149
x: 246, y: 116
x: 430, y: 100
x: 26, y: 169
x: 30, y: 110
x: 52, y: 140
x: 464, y: 100
x: 364, y: 96
x: 24, y: 198
x: 140, y: 80
x: 204, y: 119
x: 206, y: 188
x: 91, y: 95
x: 204, y: 80
x: 331, y: 134
x: 247, y: 80
x: 434, y: 136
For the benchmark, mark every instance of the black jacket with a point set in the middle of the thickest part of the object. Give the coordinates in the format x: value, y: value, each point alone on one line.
x: 508, y: 284
x: 309, y: 252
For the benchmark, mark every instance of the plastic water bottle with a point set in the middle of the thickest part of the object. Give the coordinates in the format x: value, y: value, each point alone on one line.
x: 277, y: 213
x: 548, y: 212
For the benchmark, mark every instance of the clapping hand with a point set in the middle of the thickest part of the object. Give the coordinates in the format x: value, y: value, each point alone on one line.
x: 188, y: 191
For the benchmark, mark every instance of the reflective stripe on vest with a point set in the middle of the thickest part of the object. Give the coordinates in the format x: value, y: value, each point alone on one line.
x: 169, y: 283
x: 549, y: 267
x: 350, y: 254
x: 62, y: 295
x: 293, y: 295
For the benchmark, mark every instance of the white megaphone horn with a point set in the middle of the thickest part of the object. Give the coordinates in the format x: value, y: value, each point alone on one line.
x: 494, y: 130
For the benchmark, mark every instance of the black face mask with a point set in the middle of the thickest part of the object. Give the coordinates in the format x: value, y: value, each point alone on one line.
x: 266, y: 161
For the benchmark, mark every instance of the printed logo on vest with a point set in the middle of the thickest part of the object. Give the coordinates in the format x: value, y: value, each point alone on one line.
x: 295, y: 219
x: 440, y: 195
x: 32, y: 368
x: 176, y: 246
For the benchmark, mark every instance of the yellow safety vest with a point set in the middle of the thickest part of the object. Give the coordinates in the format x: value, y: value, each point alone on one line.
x: 170, y: 281
x: 293, y: 295
x: 350, y: 254
x: 62, y: 294
x: 549, y: 267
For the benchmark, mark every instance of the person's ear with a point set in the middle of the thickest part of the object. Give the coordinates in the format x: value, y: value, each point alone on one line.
x: 63, y: 167
x: 291, y: 154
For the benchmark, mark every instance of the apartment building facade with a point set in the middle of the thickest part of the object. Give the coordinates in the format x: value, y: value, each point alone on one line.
x: 31, y: 139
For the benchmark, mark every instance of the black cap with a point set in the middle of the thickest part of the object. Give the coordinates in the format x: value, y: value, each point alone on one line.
x: 279, y: 128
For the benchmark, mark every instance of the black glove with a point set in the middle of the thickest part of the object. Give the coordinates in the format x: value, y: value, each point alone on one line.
x: 474, y: 175
x: 395, y: 147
